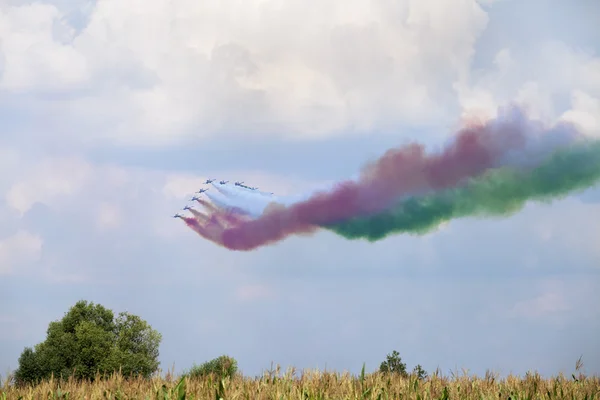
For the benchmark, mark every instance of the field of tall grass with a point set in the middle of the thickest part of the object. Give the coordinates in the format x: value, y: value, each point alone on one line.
x: 309, y: 385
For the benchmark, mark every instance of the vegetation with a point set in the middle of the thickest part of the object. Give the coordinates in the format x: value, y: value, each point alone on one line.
x: 314, y: 385
x: 91, y: 355
x: 221, y: 367
x: 89, y: 340
x: 394, y: 365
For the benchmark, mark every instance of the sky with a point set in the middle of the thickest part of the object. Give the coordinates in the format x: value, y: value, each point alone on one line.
x: 113, y: 113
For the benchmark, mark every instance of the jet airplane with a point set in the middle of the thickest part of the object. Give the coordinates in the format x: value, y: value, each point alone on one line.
x: 187, y: 208
x: 201, y: 191
x: 223, y: 182
x: 209, y: 181
x: 195, y: 198
x: 241, y: 184
x: 178, y: 216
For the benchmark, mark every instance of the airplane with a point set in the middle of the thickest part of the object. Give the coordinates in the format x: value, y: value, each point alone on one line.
x: 187, y: 208
x: 244, y: 186
x: 201, y: 190
x: 195, y: 198
x: 223, y: 182
x: 178, y: 216
x: 209, y: 181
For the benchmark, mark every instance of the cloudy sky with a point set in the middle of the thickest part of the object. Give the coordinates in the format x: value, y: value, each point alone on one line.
x: 113, y: 112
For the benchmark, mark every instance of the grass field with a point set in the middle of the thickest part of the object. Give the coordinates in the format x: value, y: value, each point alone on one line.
x: 310, y: 385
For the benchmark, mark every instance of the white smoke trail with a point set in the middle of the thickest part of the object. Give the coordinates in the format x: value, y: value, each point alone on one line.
x: 254, y: 203
x: 231, y: 205
x: 232, y: 190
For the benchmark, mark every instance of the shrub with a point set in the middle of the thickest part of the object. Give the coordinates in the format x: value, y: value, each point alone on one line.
x: 393, y: 364
x: 223, y: 366
x: 419, y: 372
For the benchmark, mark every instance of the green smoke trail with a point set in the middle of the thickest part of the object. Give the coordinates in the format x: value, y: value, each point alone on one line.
x: 501, y: 191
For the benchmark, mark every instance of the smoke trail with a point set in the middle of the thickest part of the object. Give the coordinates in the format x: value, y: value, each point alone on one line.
x: 399, y: 172
x: 218, y: 216
x: 252, y: 205
x: 207, y: 205
x: 233, y: 205
x: 200, y: 228
x: 500, y: 191
x: 225, y: 190
x: 199, y: 216
x: 490, y: 168
x: 233, y: 190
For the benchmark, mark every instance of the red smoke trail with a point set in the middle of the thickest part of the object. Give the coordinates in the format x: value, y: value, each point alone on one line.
x: 208, y: 229
x: 230, y: 217
x: 200, y: 217
x: 195, y: 225
x: 218, y: 216
x: 207, y: 205
x: 399, y: 172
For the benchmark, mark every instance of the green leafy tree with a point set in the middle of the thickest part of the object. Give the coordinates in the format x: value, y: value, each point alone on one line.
x: 223, y: 366
x: 88, y: 340
x: 29, y: 367
x: 419, y: 372
x: 136, y: 346
x: 393, y: 364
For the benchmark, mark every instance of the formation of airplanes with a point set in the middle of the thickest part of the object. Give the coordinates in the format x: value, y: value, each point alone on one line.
x: 202, y: 190
x: 241, y: 184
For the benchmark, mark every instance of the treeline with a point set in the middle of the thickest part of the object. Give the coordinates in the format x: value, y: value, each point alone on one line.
x: 91, y: 342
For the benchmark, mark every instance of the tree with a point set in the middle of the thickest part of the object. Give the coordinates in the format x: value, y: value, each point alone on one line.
x: 88, y: 340
x: 419, y: 372
x: 393, y: 364
x: 29, y: 368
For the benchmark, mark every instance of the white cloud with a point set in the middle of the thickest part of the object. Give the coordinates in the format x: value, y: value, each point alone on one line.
x: 540, y: 82
x: 585, y: 113
x: 33, y: 57
x: 46, y: 181
x: 157, y: 68
x: 21, y: 248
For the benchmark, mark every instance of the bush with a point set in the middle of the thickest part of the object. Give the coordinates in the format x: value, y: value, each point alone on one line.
x: 419, y: 372
x: 393, y: 364
x: 223, y: 366
x: 89, y: 340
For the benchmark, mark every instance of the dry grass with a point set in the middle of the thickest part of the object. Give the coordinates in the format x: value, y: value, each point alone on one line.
x: 316, y: 385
